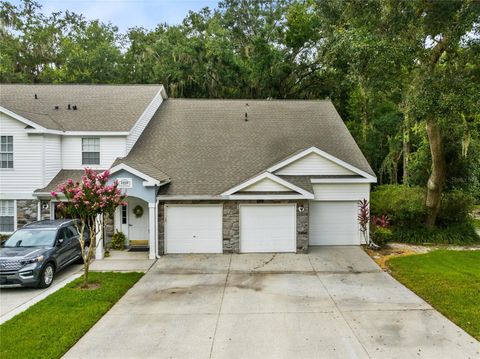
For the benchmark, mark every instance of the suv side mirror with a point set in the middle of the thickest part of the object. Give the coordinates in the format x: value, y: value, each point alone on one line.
x: 59, y: 241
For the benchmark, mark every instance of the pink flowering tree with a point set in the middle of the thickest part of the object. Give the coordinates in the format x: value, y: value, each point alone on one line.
x: 89, y: 201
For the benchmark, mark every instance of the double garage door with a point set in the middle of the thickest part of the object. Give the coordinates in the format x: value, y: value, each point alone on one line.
x: 198, y: 228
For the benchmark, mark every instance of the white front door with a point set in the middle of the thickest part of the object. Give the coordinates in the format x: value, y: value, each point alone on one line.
x: 137, y: 225
x: 334, y: 223
x: 267, y: 228
x: 193, y: 228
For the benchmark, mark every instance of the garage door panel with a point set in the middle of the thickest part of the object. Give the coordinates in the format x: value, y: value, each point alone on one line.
x: 267, y: 228
x: 193, y: 229
x: 334, y: 223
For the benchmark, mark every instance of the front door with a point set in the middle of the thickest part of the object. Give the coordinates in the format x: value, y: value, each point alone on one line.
x: 137, y: 218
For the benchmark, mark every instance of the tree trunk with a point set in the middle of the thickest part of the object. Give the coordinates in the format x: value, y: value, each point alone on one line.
x: 438, y: 175
x: 85, y: 274
x: 406, y: 150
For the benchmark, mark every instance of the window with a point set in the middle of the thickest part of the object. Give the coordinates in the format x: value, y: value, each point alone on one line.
x: 6, y: 151
x: 124, y: 214
x: 7, y: 216
x: 90, y: 151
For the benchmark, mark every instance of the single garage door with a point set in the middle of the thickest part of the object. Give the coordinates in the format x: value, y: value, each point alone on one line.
x: 334, y: 223
x: 267, y: 228
x: 193, y: 229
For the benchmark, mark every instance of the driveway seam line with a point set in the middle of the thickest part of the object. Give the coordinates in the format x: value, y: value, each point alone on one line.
x: 221, y: 305
x: 338, y: 308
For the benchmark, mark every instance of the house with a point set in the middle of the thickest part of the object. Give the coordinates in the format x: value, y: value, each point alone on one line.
x: 201, y: 175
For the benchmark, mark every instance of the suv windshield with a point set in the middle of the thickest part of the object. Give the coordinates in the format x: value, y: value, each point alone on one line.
x: 31, y: 238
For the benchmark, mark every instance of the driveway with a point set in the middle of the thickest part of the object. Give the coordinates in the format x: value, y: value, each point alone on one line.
x: 332, y: 303
x: 15, y: 299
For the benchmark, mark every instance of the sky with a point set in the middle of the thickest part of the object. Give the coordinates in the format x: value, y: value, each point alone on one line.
x: 128, y: 13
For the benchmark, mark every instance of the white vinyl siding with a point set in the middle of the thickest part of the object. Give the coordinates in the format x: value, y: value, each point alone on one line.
x: 311, y: 165
x: 267, y: 228
x: 341, y: 191
x: 333, y: 223
x: 193, y: 228
x: 110, y: 149
x: 53, y: 160
x: 27, y: 172
x: 266, y: 185
x: 7, y: 216
x: 143, y: 121
x: 6, y: 151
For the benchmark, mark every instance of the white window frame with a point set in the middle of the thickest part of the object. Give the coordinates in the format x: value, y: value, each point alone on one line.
x: 96, y: 141
x: 14, y: 215
x: 7, y: 152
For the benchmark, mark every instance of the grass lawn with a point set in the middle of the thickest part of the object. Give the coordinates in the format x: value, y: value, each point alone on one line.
x: 448, y: 280
x: 52, y: 326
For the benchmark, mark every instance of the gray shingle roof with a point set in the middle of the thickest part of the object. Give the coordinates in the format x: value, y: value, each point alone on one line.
x: 100, y: 107
x: 207, y: 147
x: 147, y: 168
x: 62, y: 177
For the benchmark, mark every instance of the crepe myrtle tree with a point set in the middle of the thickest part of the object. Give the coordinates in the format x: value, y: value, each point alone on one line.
x: 89, y: 201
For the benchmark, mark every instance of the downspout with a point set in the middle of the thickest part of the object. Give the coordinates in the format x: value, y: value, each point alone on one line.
x: 157, y: 256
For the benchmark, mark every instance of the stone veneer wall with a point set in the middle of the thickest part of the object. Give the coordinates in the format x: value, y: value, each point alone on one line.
x: 109, y: 228
x: 27, y: 211
x: 231, y: 219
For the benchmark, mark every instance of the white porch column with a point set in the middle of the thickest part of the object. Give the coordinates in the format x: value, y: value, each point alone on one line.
x: 152, y: 233
x: 99, y: 247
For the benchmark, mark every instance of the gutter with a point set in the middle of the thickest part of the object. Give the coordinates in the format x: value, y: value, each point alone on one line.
x: 157, y: 255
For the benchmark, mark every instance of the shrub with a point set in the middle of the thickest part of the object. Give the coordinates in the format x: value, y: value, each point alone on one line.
x: 381, y: 235
x: 404, y: 206
x: 455, y: 208
x: 463, y: 233
x: 118, y: 240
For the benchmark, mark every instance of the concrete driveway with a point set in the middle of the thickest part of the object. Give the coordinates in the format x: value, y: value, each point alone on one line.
x: 332, y: 303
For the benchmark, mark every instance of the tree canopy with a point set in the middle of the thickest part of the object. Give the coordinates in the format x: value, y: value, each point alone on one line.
x: 404, y: 74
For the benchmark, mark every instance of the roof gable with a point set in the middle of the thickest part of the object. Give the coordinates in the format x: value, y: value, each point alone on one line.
x: 315, y: 162
x: 267, y: 182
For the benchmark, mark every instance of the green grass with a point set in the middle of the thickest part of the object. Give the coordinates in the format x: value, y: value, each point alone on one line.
x: 448, y: 280
x: 52, y: 326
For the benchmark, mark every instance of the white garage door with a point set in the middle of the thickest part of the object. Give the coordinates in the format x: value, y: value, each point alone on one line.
x: 193, y: 229
x: 267, y: 228
x: 334, y: 223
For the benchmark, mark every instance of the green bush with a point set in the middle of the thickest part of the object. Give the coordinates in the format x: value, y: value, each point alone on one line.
x: 118, y: 240
x: 380, y: 236
x: 455, y: 208
x: 405, y: 206
x: 463, y: 233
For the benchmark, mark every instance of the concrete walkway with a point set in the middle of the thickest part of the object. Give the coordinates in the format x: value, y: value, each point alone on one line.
x: 15, y: 299
x: 332, y: 303
x: 123, y: 261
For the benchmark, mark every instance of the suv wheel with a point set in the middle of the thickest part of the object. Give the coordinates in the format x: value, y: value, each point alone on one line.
x: 46, y: 276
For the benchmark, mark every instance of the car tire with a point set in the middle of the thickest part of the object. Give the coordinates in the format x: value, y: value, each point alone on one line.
x: 46, y: 276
